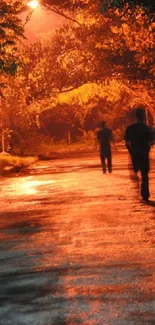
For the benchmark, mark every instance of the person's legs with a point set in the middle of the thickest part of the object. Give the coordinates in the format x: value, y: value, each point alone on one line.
x: 145, y: 185
x: 135, y: 162
x: 102, y: 156
x: 145, y: 179
x: 109, y: 158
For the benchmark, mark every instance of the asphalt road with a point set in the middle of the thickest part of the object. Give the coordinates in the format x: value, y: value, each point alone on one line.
x: 77, y: 246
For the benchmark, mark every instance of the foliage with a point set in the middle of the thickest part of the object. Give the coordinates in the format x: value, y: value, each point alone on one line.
x: 79, y: 76
x: 11, y: 31
x: 15, y: 163
x: 105, y: 48
x: 16, y: 120
x: 94, y: 67
x: 74, y: 9
x: 71, y: 5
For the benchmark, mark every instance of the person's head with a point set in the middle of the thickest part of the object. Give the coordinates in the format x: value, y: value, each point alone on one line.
x: 102, y: 124
x: 140, y: 114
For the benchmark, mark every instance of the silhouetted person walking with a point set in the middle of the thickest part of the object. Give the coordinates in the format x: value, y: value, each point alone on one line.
x: 104, y: 137
x: 139, y: 138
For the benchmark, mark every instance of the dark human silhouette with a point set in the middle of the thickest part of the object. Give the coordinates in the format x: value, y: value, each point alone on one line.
x: 105, y: 137
x: 139, y: 138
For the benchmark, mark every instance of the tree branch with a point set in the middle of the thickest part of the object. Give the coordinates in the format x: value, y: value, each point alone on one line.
x: 56, y: 11
x: 67, y: 90
x: 28, y: 17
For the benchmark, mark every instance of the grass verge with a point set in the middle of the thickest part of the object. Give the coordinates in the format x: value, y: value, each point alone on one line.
x: 9, y: 163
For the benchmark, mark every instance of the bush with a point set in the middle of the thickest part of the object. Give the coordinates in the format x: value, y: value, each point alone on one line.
x: 33, y: 145
x: 15, y: 163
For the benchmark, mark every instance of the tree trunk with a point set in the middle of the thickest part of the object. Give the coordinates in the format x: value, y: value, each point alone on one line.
x: 68, y: 137
x: 84, y: 135
x: 146, y: 113
x: 3, y: 142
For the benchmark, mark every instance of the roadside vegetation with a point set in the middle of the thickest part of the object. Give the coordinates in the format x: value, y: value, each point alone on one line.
x: 9, y: 163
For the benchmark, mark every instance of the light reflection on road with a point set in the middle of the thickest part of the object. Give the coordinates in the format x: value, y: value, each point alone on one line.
x: 30, y: 186
x: 25, y: 186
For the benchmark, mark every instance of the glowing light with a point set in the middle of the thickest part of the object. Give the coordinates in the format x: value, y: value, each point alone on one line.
x: 29, y: 186
x: 32, y: 187
x: 33, y: 4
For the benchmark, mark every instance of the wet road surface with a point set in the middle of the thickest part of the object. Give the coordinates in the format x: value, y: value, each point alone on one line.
x: 77, y: 246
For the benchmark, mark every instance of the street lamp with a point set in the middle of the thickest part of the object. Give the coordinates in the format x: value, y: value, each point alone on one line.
x: 33, y: 4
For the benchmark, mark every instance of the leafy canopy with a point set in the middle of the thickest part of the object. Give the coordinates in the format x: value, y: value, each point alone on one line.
x: 103, y: 4
x: 11, y: 31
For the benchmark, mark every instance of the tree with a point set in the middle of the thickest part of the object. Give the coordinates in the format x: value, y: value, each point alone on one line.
x: 17, y: 121
x: 72, y: 5
x: 71, y: 9
x: 105, y: 47
x: 11, y: 31
x: 86, y: 67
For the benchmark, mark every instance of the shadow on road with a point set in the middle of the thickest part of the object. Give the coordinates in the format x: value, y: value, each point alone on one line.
x: 151, y: 203
x: 60, y: 169
x: 20, y: 221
